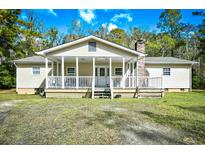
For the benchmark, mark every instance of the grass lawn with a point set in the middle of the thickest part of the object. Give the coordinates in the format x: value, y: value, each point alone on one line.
x: 178, y: 118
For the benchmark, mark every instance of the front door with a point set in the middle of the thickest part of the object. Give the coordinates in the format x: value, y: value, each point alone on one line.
x: 102, y: 76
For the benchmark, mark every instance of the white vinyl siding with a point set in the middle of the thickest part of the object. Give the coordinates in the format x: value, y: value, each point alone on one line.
x: 179, y: 76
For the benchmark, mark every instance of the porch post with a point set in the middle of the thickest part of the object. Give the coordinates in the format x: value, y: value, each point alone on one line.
x: 94, y: 69
x: 46, y: 63
x: 110, y: 70
x: 52, y: 65
x: 93, y: 80
x: 57, y: 71
x: 62, y: 71
x: 129, y: 72
x: 133, y: 73
x: 137, y: 75
x: 77, y: 80
x: 123, y: 73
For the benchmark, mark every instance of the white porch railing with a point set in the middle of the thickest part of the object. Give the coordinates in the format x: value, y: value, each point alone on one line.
x: 85, y: 81
x: 54, y: 82
x: 70, y: 81
x: 150, y: 82
x: 131, y: 82
x: 117, y: 82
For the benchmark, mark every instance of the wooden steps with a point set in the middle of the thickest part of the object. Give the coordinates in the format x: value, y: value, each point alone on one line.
x: 149, y: 93
x: 102, y: 93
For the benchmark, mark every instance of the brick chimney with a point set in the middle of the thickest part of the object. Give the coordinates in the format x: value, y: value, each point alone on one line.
x: 140, y: 47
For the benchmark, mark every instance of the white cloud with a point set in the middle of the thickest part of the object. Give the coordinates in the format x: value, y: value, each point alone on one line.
x: 104, y: 25
x: 121, y: 15
x: 52, y: 12
x: 87, y: 15
x: 111, y: 26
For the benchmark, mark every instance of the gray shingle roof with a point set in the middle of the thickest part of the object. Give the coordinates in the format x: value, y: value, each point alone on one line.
x: 167, y: 60
x: 31, y: 60
x: 148, y: 60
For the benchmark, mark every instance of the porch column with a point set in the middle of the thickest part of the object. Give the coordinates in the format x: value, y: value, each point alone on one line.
x: 110, y: 71
x: 93, y: 80
x: 77, y: 78
x: 137, y: 75
x: 46, y: 63
x: 94, y: 69
x: 123, y: 73
x: 133, y: 73
x: 129, y: 72
x: 52, y: 71
x: 62, y: 71
x: 57, y: 71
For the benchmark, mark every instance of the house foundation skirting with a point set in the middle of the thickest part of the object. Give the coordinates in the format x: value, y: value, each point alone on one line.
x: 86, y: 93
x: 26, y: 91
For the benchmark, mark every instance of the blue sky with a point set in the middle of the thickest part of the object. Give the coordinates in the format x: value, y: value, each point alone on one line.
x: 93, y: 19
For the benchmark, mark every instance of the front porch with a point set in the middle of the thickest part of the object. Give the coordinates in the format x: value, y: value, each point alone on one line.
x: 82, y: 76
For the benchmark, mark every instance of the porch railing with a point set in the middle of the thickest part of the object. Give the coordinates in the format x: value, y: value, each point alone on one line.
x: 117, y: 82
x: 150, y: 82
x: 54, y: 82
x: 131, y: 82
x: 70, y: 81
x: 85, y: 81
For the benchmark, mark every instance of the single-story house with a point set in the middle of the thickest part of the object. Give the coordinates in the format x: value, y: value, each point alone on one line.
x: 92, y: 66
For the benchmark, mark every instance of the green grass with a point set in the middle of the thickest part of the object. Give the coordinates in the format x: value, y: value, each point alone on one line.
x: 36, y: 120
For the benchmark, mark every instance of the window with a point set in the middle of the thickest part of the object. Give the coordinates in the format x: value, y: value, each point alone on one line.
x: 71, y: 71
x: 92, y: 46
x: 36, y: 70
x: 118, y: 71
x: 166, y: 71
x: 102, y: 71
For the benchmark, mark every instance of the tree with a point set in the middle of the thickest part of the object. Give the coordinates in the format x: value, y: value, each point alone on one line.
x: 170, y: 24
x: 117, y: 35
x: 9, y: 31
x: 161, y: 46
x: 200, y: 72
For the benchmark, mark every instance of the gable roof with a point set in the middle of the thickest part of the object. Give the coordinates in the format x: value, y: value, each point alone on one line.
x: 167, y: 60
x: 46, y: 51
x: 31, y: 60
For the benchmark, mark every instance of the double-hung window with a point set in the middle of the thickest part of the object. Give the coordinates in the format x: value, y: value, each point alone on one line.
x: 36, y: 70
x: 166, y: 71
x: 118, y: 71
x: 71, y: 71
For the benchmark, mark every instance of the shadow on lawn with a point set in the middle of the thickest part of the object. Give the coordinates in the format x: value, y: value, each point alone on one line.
x: 102, y: 118
x: 197, y: 109
x: 133, y: 133
x: 192, y: 126
x: 153, y: 137
x: 3, y: 116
